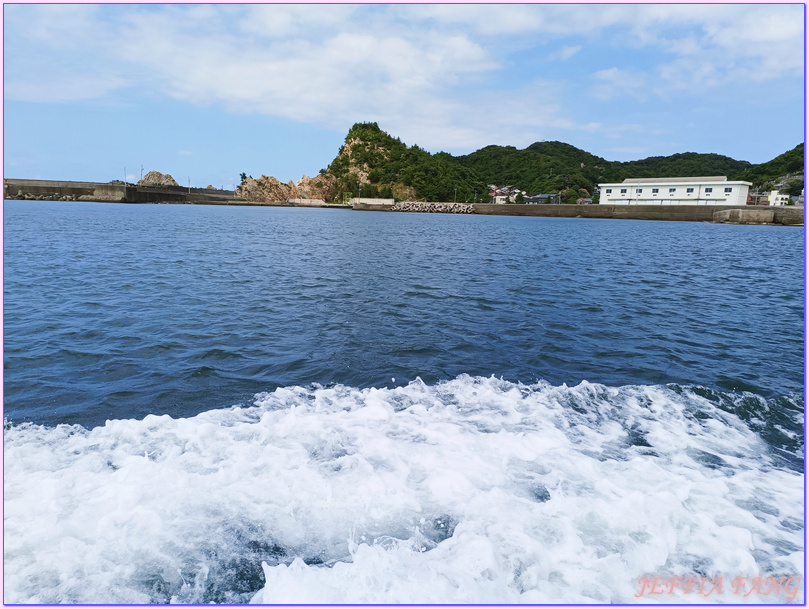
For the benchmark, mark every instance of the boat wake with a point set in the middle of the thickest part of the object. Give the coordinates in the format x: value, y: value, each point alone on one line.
x: 475, y: 490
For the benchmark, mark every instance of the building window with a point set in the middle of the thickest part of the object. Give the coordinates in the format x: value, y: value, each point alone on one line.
x: 689, y: 190
x: 623, y: 191
x: 728, y: 190
x: 608, y: 191
x: 638, y: 191
x: 655, y: 191
x: 708, y: 190
x: 672, y: 190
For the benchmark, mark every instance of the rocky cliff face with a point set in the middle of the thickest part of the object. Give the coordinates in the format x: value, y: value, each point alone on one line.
x: 155, y: 178
x: 322, y: 186
x: 268, y: 189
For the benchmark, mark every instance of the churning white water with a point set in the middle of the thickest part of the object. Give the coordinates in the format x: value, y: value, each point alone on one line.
x: 475, y: 490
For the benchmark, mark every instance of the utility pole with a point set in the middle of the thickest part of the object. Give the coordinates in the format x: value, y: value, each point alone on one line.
x: 141, y: 172
x: 455, y: 196
x: 189, y: 184
x: 124, y: 175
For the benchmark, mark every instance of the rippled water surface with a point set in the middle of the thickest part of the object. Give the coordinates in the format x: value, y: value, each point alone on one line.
x: 120, y: 311
x: 224, y: 404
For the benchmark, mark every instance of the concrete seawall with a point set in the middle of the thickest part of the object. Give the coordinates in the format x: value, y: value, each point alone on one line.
x: 118, y: 192
x: 64, y: 190
x: 682, y: 213
x: 111, y: 192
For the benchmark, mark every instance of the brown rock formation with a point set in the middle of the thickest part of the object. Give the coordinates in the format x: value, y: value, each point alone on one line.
x: 268, y: 189
x: 322, y: 186
x: 155, y: 178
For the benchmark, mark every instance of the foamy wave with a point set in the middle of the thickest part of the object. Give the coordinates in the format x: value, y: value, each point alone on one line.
x: 470, y: 491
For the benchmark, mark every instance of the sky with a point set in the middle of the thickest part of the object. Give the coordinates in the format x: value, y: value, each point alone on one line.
x: 207, y: 92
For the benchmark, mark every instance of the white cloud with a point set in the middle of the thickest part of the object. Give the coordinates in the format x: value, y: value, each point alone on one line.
x: 328, y: 81
x: 294, y: 21
x: 614, y: 82
x: 422, y: 71
x: 709, y: 47
x: 566, y: 52
x: 56, y: 88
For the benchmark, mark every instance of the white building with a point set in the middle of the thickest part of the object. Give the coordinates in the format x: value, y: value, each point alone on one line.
x: 715, y: 190
x: 777, y: 199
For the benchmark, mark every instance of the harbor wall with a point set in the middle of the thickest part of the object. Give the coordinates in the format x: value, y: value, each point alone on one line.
x: 683, y: 213
x: 118, y: 192
x: 64, y: 190
x: 109, y: 192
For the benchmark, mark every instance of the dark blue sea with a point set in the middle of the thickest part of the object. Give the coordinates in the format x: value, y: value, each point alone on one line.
x: 284, y: 405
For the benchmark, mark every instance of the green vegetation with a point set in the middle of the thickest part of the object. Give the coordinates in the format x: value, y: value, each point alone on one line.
x: 546, y: 167
x: 543, y: 167
x: 765, y: 175
x: 392, y: 170
x: 680, y: 166
x: 387, y: 168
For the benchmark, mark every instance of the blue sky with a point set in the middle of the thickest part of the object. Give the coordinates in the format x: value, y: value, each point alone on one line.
x: 205, y: 92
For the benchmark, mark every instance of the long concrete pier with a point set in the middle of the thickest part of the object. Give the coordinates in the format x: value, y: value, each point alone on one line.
x: 737, y: 214
x: 110, y: 192
x: 119, y: 192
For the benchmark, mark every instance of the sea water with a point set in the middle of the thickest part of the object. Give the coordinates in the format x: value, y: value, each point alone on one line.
x: 230, y: 404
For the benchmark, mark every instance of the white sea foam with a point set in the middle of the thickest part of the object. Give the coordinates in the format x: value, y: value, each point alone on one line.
x: 471, y: 491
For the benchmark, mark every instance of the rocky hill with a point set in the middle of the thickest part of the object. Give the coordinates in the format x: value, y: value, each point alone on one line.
x: 155, y: 178
x: 387, y: 168
x: 376, y: 164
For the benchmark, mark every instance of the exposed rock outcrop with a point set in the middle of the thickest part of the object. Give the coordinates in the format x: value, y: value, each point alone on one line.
x: 268, y: 189
x: 155, y: 178
x: 322, y: 186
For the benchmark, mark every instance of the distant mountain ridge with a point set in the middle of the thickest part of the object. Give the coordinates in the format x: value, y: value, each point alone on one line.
x: 785, y: 171
x: 374, y: 164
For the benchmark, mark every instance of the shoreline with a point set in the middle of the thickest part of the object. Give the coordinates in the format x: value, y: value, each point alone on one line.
x: 732, y: 214
x: 52, y: 190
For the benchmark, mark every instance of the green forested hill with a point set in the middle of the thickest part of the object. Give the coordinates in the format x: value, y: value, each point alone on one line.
x: 388, y: 168
x: 766, y: 174
x: 680, y: 166
x: 543, y: 166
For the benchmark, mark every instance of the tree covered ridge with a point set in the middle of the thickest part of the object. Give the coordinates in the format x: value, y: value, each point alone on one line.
x: 385, y: 167
x: 766, y: 175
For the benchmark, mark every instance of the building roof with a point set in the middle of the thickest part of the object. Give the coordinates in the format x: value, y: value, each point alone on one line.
x: 690, y: 181
x: 696, y: 179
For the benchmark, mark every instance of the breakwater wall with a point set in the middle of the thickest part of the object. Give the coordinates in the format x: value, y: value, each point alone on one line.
x: 433, y: 208
x: 119, y: 192
x: 51, y: 190
x: 682, y: 213
x: 109, y: 192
